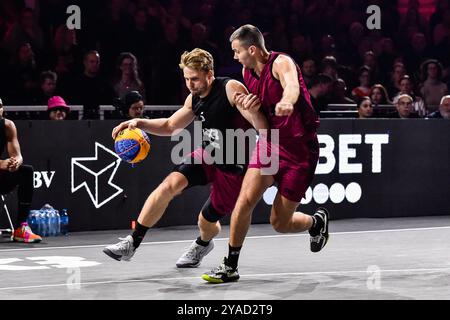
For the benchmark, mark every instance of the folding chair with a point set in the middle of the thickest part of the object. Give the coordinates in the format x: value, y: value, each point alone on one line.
x: 6, y: 233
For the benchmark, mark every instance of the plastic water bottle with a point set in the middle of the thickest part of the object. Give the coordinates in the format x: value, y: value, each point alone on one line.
x: 52, y: 223
x: 49, y: 218
x: 32, y: 220
x: 64, y: 222
x: 58, y: 223
x: 42, y: 222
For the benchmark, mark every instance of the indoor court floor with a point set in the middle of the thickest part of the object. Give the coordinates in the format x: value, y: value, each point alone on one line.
x: 396, y: 258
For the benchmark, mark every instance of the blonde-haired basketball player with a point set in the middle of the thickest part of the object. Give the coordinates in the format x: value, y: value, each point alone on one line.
x: 211, y: 100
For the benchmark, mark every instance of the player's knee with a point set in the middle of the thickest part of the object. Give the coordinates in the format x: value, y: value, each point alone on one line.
x: 279, y: 225
x: 245, y: 204
x: 169, y: 188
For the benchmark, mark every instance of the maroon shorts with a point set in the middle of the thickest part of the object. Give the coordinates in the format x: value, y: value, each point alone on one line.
x: 297, y: 161
x: 225, y: 186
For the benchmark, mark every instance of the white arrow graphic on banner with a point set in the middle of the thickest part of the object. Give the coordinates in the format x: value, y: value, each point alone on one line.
x: 94, y: 195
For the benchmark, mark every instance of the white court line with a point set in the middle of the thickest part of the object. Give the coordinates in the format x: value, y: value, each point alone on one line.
x: 226, y: 239
x: 260, y: 275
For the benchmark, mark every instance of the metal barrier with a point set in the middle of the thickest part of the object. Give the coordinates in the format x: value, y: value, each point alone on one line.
x: 79, y: 109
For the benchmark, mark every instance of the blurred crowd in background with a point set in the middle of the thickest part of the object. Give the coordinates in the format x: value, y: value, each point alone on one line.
x: 134, y: 46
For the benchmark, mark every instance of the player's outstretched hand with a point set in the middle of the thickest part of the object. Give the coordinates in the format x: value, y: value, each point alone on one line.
x: 130, y: 124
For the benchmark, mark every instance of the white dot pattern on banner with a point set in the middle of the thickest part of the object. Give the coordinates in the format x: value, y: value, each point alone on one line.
x: 353, y: 192
x: 308, y: 196
x: 320, y: 193
x: 269, y: 195
x: 337, y: 193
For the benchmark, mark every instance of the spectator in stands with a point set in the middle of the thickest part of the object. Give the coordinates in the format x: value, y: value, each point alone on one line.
x: 370, y: 60
x: 432, y: 89
x: 386, y: 59
x: 321, y: 87
x: 23, y: 73
x: 441, y: 7
x: 129, y: 79
x: 412, y: 22
x: 130, y: 106
x: 404, y: 108
x: 300, y: 48
x: 90, y: 89
x: 309, y: 71
x: 47, y: 88
x: 330, y: 67
x: 417, y: 51
x: 379, y: 95
x: 339, y: 91
x: 442, y: 30
x: 407, y: 87
x: 57, y: 108
x: 398, y: 71
x: 25, y: 30
x: 364, y: 107
x: 364, y: 77
x: 200, y: 39
x: 14, y: 174
x: 444, y: 109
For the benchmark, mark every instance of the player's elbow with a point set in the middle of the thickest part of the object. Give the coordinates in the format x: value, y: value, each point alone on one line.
x: 168, y: 128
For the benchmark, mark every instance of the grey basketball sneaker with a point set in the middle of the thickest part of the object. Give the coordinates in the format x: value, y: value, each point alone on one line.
x: 123, y: 250
x: 221, y: 274
x: 194, y: 255
x: 319, y: 233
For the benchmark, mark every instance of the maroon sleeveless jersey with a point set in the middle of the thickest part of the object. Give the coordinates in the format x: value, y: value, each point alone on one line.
x: 303, y: 122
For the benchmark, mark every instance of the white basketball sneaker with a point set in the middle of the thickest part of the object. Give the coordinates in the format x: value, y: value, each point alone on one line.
x: 123, y: 250
x: 194, y: 255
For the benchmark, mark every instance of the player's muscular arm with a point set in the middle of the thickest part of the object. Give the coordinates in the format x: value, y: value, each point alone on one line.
x: 15, y: 157
x: 164, y: 126
x: 285, y: 70
x: 248, y: 105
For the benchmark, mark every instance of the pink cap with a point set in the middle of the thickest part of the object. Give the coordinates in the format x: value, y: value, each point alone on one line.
x: 57, y: 102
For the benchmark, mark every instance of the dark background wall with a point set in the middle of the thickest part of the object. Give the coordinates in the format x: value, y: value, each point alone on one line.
x: 414, y: 177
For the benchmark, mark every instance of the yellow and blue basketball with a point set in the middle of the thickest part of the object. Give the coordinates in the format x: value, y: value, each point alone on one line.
x: 132, y: 146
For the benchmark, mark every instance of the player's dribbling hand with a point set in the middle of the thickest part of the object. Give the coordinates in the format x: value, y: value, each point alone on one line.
x: 130, y: 124
x: 283, y: 109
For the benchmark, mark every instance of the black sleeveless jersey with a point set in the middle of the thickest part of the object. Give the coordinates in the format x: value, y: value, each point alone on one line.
x: 217, y: 115
x: 2, y: 135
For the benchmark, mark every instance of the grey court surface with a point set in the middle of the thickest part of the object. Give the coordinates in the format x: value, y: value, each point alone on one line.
x: 397, y: 258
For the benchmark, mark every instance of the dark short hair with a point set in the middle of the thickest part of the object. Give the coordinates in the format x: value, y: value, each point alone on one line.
x: 249, y: 35
x: 360, y: 100
x: 424, y: 68
x: 48, y: 75
x: 329, y: 61
x: 321, y: 78
x: 89, y: 53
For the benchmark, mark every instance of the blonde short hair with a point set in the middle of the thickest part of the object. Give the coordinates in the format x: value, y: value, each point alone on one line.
x: 197, y: 59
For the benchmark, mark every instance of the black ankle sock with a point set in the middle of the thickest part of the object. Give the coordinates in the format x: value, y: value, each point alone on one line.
x: 138, y: 234
x: 233, y: 256
x: 202, y: 243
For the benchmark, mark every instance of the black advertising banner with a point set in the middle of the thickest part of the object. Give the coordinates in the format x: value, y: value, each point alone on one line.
x: 368, y: 168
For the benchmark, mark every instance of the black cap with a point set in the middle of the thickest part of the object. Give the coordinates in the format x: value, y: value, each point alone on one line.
x: 123, y: 104
x: 130, y: 98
